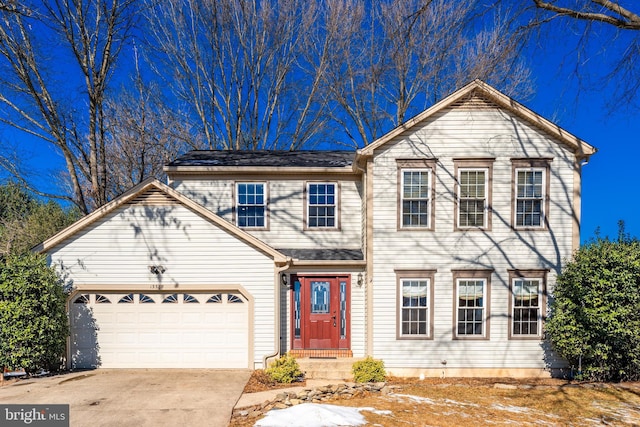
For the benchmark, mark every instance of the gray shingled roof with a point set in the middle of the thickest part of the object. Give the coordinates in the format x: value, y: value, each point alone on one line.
x: 324, y: 254
x: 266, y: 158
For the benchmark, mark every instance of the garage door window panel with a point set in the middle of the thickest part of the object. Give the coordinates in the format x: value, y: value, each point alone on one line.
x: 189, y: 299
x: 102, y: 299
x: 170, y: 299
x: 82, y: 299
x: 146, y: 299
x: 127, y: 299
x: 215, y: 299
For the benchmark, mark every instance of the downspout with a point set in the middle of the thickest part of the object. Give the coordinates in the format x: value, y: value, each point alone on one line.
x: 276, y: 342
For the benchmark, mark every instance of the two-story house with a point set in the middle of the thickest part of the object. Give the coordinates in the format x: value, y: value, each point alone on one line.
x: 434, y: 248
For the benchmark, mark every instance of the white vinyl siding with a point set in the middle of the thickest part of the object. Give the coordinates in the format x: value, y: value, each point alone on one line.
x: 449, y: 136
x: 287, y: 209
x: 116, y: 251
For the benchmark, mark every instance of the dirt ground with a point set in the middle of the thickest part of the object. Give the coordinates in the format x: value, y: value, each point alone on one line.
x: 494, y: 401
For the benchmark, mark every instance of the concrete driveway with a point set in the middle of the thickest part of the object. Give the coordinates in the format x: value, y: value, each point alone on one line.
x: 137, y: 397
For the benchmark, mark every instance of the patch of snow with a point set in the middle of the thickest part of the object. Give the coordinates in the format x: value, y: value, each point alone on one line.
x: 456, y: 403
x: 413, y: 398
x: 509, y: 408
x: 316, y: 415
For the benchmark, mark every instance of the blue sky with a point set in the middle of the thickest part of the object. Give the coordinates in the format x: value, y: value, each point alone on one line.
x: 609, y: 194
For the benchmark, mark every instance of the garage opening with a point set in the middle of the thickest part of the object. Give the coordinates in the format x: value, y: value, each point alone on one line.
x: 159, y: 330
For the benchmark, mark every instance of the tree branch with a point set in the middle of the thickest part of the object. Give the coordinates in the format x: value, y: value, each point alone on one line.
x: 620, y: 17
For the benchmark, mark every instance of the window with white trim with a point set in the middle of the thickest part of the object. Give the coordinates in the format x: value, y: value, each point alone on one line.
x: 415, y: 198
x: 530, y: 188
x: 470, y: 310
x: 527, y: 303
x: 251, y: 204
x: 472, y: 198
x: 415, y: 307
x: 526, y: 317
x: 322, y: 205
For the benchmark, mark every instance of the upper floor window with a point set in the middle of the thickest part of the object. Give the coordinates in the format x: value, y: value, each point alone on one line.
x: 471, y: 294
x: 415, y: 193
x: 531, y: 186
x: 527, y: 303
x: 251, y: 204
x: 415, y: 304
x: 473, y: 193
x: 322, y: 205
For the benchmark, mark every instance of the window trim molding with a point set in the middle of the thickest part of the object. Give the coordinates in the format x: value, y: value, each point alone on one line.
x: 528, y: 274
x: 486, y: 321
x: 473, y: 164
x: 338, y: 207
x: 429, y: 164
x: 236, y: 203
x: 541, y: 163
x: 428, y: 274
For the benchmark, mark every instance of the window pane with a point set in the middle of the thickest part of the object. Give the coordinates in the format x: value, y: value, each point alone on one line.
x: 470, y: 306
x: 415, y: 198
x: 296, y: 308
x: 320, y: 297
x: 414, y: 311
x: 529, y: 198
x: 251, y: 206
x: 526, y: 306
x: 472, y: 198
x: 321, y: 205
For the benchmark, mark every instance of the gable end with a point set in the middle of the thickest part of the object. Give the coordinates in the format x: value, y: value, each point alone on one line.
x: 153, y: 197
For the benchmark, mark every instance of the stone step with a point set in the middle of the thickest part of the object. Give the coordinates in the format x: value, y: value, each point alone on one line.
x: 327, y: 368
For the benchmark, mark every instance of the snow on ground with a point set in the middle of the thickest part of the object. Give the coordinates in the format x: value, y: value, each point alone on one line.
x: 315, y: 415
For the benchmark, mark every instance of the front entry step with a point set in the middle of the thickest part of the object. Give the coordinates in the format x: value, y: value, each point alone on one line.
x: 321, y: 353
x: 327, y: 369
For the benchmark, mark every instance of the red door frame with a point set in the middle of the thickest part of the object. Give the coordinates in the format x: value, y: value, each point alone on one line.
x: 303, y: 340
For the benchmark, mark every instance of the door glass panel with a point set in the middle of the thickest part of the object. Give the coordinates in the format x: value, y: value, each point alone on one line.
x: 320, y: 297
x: 343, y: 309
x: 296, y: 309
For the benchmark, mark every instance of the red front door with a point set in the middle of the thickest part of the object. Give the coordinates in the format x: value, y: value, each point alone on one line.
x: 322, y: 322
x: 320, y: 312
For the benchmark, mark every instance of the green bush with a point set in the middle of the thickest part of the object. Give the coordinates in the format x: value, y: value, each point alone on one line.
x: 368, y: 370
x: 284, y: 370
x: 33, y: 319
x: 595, y: 316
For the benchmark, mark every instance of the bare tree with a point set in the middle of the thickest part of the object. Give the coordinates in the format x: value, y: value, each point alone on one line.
x: 397, y: 57
x: 290, y: 73
x: 234, y: 64
x: 605, y: 11
x: 607, y: 32
x: 142, y: 135
x: 34, y: 90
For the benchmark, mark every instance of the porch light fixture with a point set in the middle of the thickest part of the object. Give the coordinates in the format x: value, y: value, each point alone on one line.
x: 284, y: 280
x: 360, y: 280
x: 156, y: 269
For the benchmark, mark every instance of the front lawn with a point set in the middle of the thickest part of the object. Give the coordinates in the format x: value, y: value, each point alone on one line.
x: 461, y: 401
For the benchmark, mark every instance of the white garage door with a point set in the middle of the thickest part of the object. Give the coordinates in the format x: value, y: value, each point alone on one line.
x: 159, y: 330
